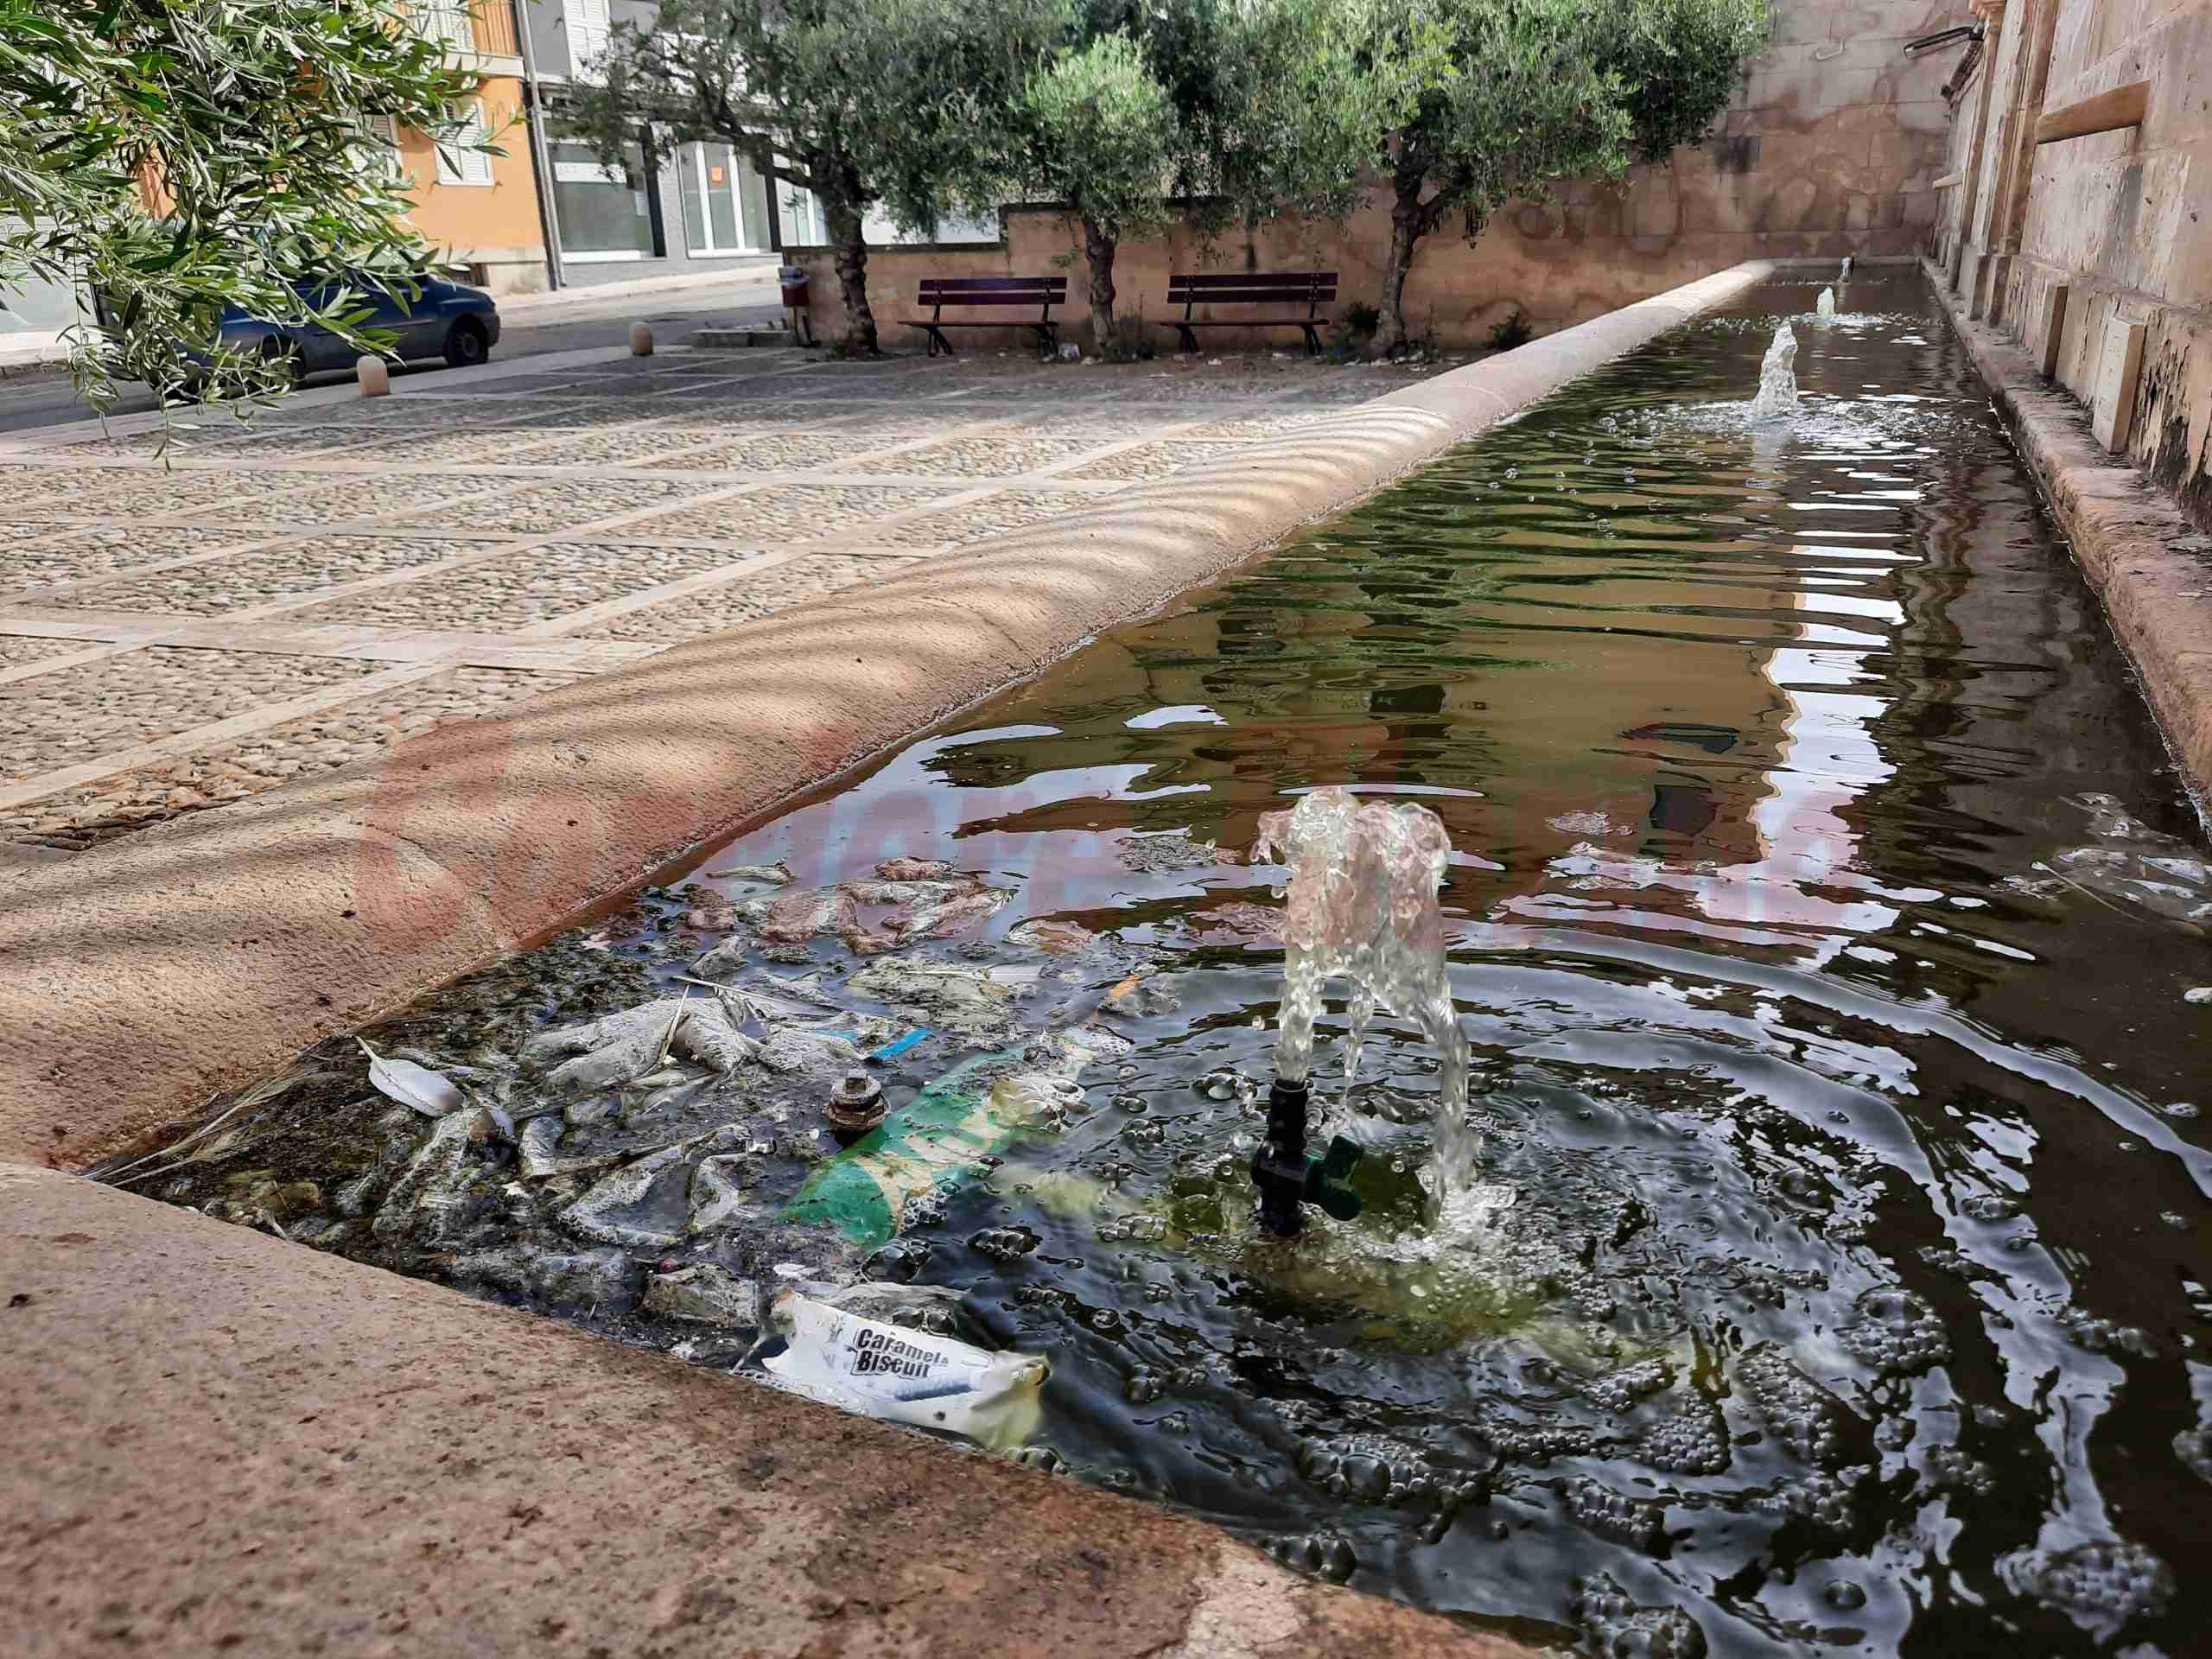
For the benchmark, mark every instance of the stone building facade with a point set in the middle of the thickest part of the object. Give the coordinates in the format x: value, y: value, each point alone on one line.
x: 2078, y: 213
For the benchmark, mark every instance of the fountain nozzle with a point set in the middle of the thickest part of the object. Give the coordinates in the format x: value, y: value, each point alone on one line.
x: 1286, y: 1177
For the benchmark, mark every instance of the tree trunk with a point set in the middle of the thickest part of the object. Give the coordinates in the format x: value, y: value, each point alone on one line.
x: 841, y: 216
x: 1099, y: 248
x: 1407, y: 216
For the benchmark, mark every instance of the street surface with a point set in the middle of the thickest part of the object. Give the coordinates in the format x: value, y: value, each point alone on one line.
x: 565, y: 325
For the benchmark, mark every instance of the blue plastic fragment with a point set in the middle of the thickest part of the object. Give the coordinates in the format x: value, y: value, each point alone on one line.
x: 892, y: 1051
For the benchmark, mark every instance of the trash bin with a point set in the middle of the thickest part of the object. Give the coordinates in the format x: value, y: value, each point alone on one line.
x: 794, y: 279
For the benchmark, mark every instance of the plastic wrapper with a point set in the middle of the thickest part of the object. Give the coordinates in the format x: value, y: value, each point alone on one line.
x: 902, y: 1376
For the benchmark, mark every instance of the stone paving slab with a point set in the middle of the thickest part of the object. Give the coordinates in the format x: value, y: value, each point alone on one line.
x: 17, y: 650
x: 72, y: 555
x: 710, y: 610
x: 235, y: 581
x: 133, y: 698
x: 95, y: 812
x: 780, y: 452
x: 184, y: 615
x: 989, y: 515
x: 519, y: 590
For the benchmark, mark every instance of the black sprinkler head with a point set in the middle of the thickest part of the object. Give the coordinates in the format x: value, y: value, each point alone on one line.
x: 1288, y: 1177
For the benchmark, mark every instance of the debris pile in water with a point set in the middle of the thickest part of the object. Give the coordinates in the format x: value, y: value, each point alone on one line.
x: 663, y: 1171
x: 2126, y: 867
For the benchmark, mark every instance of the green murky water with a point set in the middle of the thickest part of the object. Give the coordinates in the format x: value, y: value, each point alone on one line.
x: 1826, y: 910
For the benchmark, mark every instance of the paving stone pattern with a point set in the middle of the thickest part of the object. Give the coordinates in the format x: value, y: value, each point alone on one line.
x: 84, y: 817
x: 726, y: 604
x: 15, y: 650
x: 246, y: 581
x: 462, y: 545
x: 75, y: 555
x: 49, y: 722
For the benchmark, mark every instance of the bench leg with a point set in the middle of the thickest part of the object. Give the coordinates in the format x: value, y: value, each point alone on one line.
x: 1188, y: 340
x: 939, y: 343
x: 1312, y: 340
x: 1048, y: 340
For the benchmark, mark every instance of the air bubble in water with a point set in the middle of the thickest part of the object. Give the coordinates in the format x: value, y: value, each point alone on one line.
x: 2104, y: 1585
x: 1618, y: 1624
x: 1896, y: 1333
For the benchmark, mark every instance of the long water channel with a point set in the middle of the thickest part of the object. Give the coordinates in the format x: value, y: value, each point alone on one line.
x: 1824, y: 919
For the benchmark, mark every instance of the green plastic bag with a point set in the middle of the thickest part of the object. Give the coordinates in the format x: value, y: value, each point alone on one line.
x: 937, y: 1140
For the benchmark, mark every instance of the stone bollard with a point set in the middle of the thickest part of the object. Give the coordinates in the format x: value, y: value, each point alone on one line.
x: 374, y: 376
x: 641, y: 341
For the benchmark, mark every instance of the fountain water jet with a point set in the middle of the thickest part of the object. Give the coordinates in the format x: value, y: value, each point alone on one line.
x: 1778, y: 399
x: 1363, y: 905
x: 1826, y: 305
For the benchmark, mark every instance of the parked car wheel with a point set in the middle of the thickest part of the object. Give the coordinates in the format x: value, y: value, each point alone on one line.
x: 466, y: 344
x: 285, y: 355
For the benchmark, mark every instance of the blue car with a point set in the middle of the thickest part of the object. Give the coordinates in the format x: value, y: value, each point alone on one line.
x: 444, y: 320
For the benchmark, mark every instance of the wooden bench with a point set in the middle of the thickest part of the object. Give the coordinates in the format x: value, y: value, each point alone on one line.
x: 1311, y: 288
x: 938, y: 292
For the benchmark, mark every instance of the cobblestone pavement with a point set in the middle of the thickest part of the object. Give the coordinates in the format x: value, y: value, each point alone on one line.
x: 262, y: 602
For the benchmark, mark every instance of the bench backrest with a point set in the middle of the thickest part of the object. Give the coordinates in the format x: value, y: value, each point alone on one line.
x: 1042, y: 291
x: 1311, y: 288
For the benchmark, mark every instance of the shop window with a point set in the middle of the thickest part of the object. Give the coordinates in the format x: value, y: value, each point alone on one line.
x: 725, y: 203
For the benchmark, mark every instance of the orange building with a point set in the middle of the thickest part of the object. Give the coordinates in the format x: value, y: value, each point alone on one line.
x: 481, y: 210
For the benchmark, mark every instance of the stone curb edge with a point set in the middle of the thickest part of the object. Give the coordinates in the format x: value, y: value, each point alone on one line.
x: 2150, y: 567
x: 223, y: 1444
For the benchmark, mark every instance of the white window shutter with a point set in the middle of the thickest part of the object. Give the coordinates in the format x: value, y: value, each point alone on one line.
x: 381, y: 152
x: 447, y: 20
x: 588, y: 26
x: 459, y: 163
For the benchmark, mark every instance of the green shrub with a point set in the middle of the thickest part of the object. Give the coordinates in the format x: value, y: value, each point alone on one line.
x: 1514, y: 331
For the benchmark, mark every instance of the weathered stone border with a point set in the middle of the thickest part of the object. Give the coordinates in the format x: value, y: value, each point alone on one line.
x: 2150, y: 567
x: 222, y: 1444
x: 226, y: 1443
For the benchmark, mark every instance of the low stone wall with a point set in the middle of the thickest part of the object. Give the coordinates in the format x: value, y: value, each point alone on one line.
x: 1833, y: 147
x: 223, y: 1445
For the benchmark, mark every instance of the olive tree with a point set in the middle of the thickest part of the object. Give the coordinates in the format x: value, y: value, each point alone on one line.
x: 177, y: 157
x: 1102, y: 143
x: 1236, y: 110
x: 1535, y: 91
x: 858, y: 102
